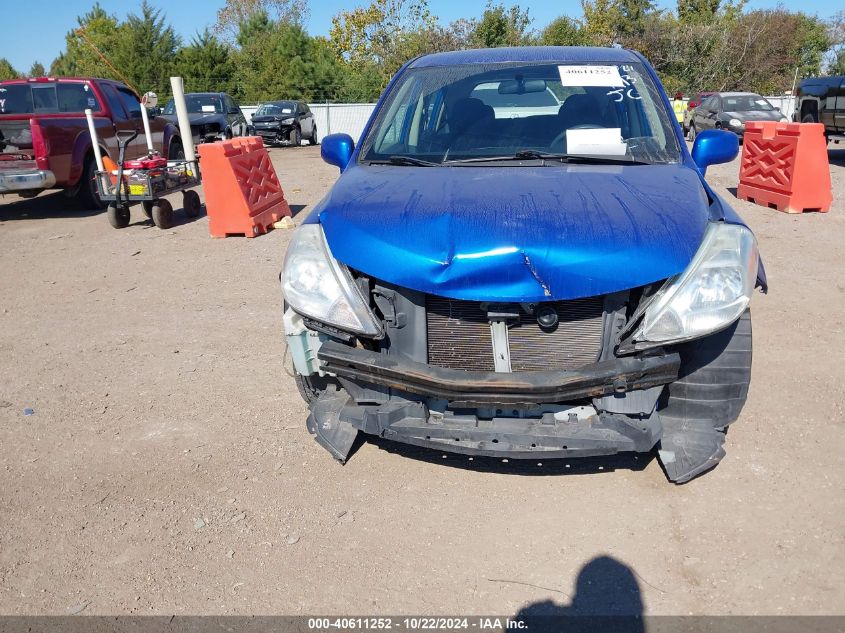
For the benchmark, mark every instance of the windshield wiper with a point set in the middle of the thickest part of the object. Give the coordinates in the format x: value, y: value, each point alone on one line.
x: 404, y: 160
x: 531, y: 154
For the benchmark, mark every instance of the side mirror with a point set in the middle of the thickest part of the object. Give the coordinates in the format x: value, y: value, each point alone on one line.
x: 336, y: 149
x: 712, y: 147
x: 234, y: 111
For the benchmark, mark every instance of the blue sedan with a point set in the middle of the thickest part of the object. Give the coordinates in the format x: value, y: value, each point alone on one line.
x: 521, y: 259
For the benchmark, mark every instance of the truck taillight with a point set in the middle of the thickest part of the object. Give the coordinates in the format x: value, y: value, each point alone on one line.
x: 39, y: 145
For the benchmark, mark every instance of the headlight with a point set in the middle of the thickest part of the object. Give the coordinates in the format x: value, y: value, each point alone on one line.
x: 735, y: 123
x: 710, y: 294
x: 288, y: 120
x: 318, y: 286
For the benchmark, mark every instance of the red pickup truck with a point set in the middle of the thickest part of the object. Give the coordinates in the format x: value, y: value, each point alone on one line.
x: 44, y: 138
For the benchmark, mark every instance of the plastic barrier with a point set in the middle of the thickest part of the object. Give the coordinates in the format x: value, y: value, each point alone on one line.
x: 242, y: 192
x: 785, y: 167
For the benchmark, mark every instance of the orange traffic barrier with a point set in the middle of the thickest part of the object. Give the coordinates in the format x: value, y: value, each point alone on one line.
x: 242, y: 192
x: 785, y: 167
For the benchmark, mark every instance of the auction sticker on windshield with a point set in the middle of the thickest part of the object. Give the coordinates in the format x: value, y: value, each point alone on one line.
x: 602, y: 76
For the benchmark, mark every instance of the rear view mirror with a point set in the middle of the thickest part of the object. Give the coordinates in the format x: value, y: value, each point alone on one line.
x: 712, y: 147
x: 336, y: 149
x: 521, y: 86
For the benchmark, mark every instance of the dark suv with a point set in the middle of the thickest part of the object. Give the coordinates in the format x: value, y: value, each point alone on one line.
x: 284, y: 122
x: 822, y: 100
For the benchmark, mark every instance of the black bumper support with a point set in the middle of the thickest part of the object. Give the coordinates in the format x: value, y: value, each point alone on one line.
x: 489, y: 388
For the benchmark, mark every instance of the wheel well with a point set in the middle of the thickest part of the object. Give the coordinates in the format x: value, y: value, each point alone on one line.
x: 174, y: 139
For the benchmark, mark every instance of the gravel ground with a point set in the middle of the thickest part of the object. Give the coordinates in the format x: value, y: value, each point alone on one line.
x: 166, y: 467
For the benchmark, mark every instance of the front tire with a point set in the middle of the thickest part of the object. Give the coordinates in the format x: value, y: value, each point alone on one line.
x: 118, y: 216
x: 191, y: 204
x: 313, y: 139
x: 162, y: 214
x: 175, y: 151
x: 296, y: 137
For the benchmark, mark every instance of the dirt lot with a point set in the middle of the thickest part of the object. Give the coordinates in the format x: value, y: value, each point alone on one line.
x: 167, y: 469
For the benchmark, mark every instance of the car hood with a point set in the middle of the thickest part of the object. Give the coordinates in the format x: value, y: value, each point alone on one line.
x: 755, y: 115
x: 516, y: 233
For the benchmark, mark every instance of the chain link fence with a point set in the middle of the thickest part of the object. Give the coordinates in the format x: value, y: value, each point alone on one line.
x: 332, y: 118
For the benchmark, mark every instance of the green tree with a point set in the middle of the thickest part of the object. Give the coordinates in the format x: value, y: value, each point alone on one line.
x: 564, y: 31
x: 145, y: 52
x: 6, y: 70
x: 500, y: 26
x: 206, y: 65
x: 236, y: 12
x: 697, y: 11
x: 100, y: 29
x: 37, y: 70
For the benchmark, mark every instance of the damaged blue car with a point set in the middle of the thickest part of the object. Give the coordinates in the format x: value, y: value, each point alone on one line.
x: 521, y: 259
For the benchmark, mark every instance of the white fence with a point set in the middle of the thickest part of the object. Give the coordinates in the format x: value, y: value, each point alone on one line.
x: 350, y: 118
x: 331, y: 118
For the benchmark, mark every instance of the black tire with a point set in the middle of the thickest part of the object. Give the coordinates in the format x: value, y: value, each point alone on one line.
x: 228, y: 134
x: 175, y: 151
x: 118, y: 216
x: 692, y: 133
x: 191, y: 204
x: 148, y: 208
x: 296, y: 137
x: 808, y: 118
x: 313, y: 139
x: 163, y: 214
x: 87, y: 196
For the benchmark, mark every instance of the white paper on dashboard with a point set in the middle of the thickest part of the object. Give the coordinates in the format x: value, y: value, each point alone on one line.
x: 208, y: 108
x: 591, y: 75
x: 606, y: 141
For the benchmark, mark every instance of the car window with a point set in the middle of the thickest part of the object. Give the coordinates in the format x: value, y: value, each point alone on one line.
x: 746, y: 103
x: 270, y: 109
x: 198, y: 104
x: 130, y: 102
x: 47, y: 98
x: 112, y: 98
x: 482, y: 110
x: 76, y: 97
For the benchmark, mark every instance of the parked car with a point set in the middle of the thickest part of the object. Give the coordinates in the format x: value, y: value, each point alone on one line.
x: 692, y: 104
x: 213, y: 116
x: 535, y: 286
x: 731, y: 111
x: 44, y: 138
x: 285, y: 122
x: 822, y: 100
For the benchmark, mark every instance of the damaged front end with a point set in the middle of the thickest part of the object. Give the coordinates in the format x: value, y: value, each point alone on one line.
x: 538, y: 379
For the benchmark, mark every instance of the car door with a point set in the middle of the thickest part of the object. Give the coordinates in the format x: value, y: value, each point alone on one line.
x: 711, y: 113
x: 699, y: 116
x: 306, y: 120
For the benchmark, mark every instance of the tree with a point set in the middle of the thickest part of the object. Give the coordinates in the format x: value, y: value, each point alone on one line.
x: 206, y: 65
x: 697, y: 11
x: 564, y: 31
x: 6, y: 70
x: 236, y: 12
x: 499, y: 26
x: 145, y: 52
x: 101, y: 30
x: 602, y: 21
x: 37, y: 70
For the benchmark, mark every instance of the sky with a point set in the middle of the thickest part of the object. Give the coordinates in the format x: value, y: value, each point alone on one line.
x: 29, y: 37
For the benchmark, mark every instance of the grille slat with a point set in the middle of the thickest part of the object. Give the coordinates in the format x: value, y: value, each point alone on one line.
x: 459, y: 336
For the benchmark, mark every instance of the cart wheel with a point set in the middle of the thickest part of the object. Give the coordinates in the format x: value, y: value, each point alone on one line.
x: 162, y: 214
x: 118, y: 216
x: 148, y: 208
x: 191, y: 204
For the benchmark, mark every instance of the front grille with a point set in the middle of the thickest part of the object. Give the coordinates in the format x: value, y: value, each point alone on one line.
x: 459, y: 336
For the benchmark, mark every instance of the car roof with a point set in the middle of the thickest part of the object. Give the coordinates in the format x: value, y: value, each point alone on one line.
x: 581, y: 54
x: 205, y: 94
x: 737, y: 94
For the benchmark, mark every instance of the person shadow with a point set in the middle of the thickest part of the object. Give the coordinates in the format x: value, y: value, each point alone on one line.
x: 607, y: 599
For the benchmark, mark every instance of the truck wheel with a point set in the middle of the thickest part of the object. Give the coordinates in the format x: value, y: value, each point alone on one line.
x: 296, y: 137
x: 175, y: 151
x: 87, y: 196
x: 163, y: 214
x: 191, y: 204
x: 118, y: 216
x: 313, y: 139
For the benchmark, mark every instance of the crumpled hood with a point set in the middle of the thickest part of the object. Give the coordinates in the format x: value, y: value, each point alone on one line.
x: 272, y: 118
x: 516, y: 233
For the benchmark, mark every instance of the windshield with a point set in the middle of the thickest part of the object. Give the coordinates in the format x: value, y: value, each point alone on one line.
x: 744, y: 103
x: 198, y: 104
x: 47, y: 98
x: 273, y: 109
x: 467, y: 112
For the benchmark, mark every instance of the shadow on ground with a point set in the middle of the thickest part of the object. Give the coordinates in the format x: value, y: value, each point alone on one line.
x: 607, y: 598
x: 537, y: 466
x: 52, y: 205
